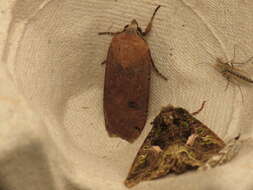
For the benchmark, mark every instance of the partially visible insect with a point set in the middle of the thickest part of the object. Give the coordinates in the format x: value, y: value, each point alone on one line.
x: 230, y: 72
x: 229, y: 152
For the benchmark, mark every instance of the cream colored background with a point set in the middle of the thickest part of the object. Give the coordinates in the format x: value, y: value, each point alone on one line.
x: 51, y: 118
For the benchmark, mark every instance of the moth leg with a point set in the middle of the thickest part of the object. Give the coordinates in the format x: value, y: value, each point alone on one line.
x: 237, y: 63
x: 237, y: 137
x: 232, y: 61
x: 200, y: 109
x: 232, y: 65
x: 227, y: 84
x: 247, y: 61
x: 109, y: 33
x: 156, y: 70
x: 240, y: 92
x: 228, y: 80
x: 239, y: 89
x: 149, y: 26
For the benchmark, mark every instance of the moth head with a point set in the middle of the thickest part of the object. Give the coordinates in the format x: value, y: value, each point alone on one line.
x: 134, y: 23
x: 171, y: 115
x: 133, y: 27
x: 167, y: 114
x: 222, y: 65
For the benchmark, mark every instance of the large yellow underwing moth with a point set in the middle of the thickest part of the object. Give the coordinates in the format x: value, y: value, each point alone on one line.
x: 178, y: 142
x: 127, y: 81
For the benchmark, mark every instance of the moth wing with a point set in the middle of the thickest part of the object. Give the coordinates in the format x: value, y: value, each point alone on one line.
x: 126, y: 92
x: 241, y: 72
x: 165, y: 149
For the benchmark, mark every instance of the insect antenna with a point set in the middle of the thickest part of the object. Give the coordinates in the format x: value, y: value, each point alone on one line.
x: 200, y: 109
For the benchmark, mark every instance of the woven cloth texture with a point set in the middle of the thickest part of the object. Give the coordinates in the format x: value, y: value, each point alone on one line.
x: 51, y: 94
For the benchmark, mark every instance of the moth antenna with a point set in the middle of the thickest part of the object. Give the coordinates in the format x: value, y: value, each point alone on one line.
x: 234, y: 54
x: 109, y: 33
x: 149, y: 26
x: 203, y: 63
x: 153, y: 16
x: 200, y: 109
x: 238, y: 63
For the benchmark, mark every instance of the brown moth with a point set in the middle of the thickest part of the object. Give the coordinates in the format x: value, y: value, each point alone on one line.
x: 178, y: 142
x: 127, y: 81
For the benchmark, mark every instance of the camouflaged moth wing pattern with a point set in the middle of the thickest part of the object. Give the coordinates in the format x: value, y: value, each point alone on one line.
x: 229, y: 152
x: 178, y: 142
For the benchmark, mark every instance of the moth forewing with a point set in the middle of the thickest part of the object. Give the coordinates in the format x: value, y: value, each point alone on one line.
x: 177, y: 142
x: 229, y: 152
x: 127, y: 81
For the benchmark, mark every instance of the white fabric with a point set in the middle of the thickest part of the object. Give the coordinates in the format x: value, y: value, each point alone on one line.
x: 52, y: 125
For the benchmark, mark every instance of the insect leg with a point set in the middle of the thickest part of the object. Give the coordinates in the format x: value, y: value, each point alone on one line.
x: 109, y: 33
x: 240, y: 90
x: 227, y: 77
x: 156, y: 70
x: 237, y: 63
x: 248, y: 61
x: 228, y: 80
x: 149, y: 26
x: 232, y: 61
x: 200, y: 109
x: 227, y: 84
x: 104, y: 62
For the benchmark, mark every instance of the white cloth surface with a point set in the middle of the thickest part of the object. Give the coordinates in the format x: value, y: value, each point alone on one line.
x: 51, y: 116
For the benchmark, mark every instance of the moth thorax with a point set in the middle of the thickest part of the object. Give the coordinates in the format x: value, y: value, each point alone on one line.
x: 167, y: 117
x: 221, y: 66
x: 168, y: 108
x: 132, y: 27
